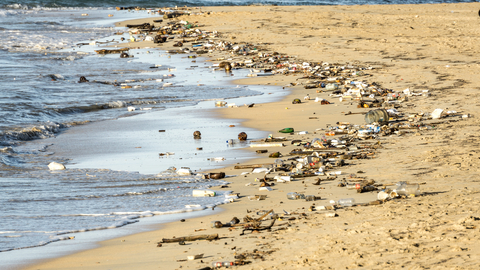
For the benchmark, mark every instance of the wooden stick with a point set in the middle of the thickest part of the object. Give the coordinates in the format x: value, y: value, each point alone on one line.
x: 303, y: 175
x: 253, y: 166
x: 408, y: 183
x: 348, y: 113
x: 104, y: 51
x: 259, y: 229
x: 264, y: 215
x: 190, y: 238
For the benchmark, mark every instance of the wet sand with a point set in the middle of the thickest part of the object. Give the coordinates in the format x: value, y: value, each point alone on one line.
x: 420, y: 47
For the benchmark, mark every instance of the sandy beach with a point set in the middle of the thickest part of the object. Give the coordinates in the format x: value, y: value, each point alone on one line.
x: 428, y: 49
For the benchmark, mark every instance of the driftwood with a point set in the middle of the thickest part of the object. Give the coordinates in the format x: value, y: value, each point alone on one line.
x: 303, y: 175
x: 249, y: 219
x: 125, y: 8
x: 253, y: 166
x: 309, y: 152
x: 260, y: 228
x: 173, y: 15
x: 141, y: 26
x: 104, y: 51
x: 348, y: 113
x: 190, y: 238
x: 275, y: 140
x: 111, y: 83
x: 407, y: 182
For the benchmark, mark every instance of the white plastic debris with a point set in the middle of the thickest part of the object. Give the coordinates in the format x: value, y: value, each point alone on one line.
x: 260, y: 170
x: 184, y: 171
x: 437, y: 114
x: 194, y: 257
x: 267, y: 145
x: 282, y: 179
x: 330, y: 214
x: 231, y: 196
x: 55, y: 166
x: 203, y: 193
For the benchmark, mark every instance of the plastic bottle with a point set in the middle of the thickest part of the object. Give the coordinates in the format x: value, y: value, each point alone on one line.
x: 407, y: 189
x: 379, y: 115
x: 331, y: 86
x: 351, y: 186
x: 346, y: 202
x: 203, y: 193
x: 311, y: 198
x: 217, y: 264
x: 228, y: 264
x: 222, y: 264
x: 295, y: 196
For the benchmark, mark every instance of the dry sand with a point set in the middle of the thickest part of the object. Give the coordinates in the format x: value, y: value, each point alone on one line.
x: 421, y: 47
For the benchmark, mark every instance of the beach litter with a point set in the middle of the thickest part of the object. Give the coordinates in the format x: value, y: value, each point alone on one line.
x: 55, y: 166
x: 203, y: 193
x: 218, y: 175
x: 195, y: 257
x: 189, y: 238
x: 257, y: 197
x: 267, y: 145
x: 184, y: 171
x: 337, y: 145
x: 113, y: 51
x: 242, y: 136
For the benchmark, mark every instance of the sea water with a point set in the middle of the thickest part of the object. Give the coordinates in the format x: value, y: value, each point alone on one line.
x: 42, y: 56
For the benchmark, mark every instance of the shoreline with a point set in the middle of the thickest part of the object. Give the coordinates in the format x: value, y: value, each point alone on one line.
x: 87, y: 238
x: 320, y: 240
x: 82, y: 238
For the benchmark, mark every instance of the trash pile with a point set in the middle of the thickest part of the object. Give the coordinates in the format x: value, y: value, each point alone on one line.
x: 320, y: 158
x: 324, y: 157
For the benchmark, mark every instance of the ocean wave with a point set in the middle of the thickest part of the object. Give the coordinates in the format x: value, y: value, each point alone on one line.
x: 52, y: 5
x: 17, y: 6
x: 86, y: 215
x: 14, y: 12
x: 90, y: 108
x: 9, y: 160
x: 127, y: 218
x: 36, y: 132
x: 132, y: 217
x: 108, y: 105
x: 7, y: 149
x: 43, y: 243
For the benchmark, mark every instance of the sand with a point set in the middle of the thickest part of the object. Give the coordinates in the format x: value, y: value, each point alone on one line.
x: 420, y: 47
